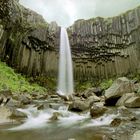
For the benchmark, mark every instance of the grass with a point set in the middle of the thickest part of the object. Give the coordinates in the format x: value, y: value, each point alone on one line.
x: 103, y: 84
x: 9, y: 80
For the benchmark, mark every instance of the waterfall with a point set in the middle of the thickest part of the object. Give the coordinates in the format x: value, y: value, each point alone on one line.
x: 65, y: 76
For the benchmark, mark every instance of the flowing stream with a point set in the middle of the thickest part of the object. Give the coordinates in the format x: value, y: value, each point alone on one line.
x: 39, y: 126
x: 68, y: 126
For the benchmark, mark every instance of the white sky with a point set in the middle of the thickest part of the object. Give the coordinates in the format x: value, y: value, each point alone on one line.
x: 65, y: 12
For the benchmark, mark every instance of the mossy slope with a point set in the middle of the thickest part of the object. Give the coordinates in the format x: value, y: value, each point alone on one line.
x: 9, y: 80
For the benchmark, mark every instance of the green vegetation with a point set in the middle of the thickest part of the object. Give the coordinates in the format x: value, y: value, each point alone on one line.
x: 47, y: 82
x: 105, y: 84
x: 81, y: 86
x: 9, y: 80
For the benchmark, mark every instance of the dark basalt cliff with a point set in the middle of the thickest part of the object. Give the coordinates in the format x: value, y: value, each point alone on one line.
x: 108, y: 47
x: 101, y: 48
x: 27, y: 42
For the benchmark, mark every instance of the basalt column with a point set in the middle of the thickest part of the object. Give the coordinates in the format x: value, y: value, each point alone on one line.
x: 104, y: 48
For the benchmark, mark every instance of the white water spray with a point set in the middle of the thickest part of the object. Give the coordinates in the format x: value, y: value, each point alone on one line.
x: 65, y: 77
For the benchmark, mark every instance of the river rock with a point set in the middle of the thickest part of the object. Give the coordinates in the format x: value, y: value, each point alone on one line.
x: 124, y: 98
x: 97, y: 110
x: 116, y: 122
x: 24, y: 99
x: 55, y: 116
x: 15, y: 114
x: 119, y: 87
x: 87, y: 93
x: 79, y: 105
x: 7, y: 114
x: 93, y: 99
x: 136, y: 135
x: 133, y: 102
x: 4, y: 114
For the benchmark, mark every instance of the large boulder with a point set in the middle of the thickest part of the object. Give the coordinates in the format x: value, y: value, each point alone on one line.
x: 79, y: 105
x: 93, y: 99
x: 97, y: 110
x: 133, y: 102
x: 23, y: 98
x: 13, y: 103
x: 119, y: 87
x: 4, y: 114
x: 124, y: 98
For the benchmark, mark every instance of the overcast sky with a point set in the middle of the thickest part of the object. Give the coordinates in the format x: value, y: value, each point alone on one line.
x: 65, y: 12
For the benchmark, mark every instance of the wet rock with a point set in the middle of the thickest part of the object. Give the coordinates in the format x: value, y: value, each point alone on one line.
x: 133, y: 102
x: 13, y: 103
x: 97, y: 110
x: 54, y: 96
x: 24, y: 99
x: 98, y: 91
x: 42, y: 97
x: 116, y: 122
x: 5, y: 96
x: 93, y: 99
x: 4, y: 114
x: 124, y: 98
x: 40, y: 107
x: 15, y: 114
x: 136, y: 135
x: 87, y: 93
x: 119, y: 87
x: 55, y: 106
x: 55, y: 116
x: 79, y: 105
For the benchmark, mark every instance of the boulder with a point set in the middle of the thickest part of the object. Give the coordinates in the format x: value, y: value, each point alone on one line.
x: 119, y: 87
x: 4, y: 114
x: 136, y: 135
x: 116, y: 122
x: 13, y: 103
x: 23, y: 98
x: 79, y: 105
x: 15, y: 114
x: 126, y: 114
x: 8, y: 114
x: 87, y: 93
x: 93, y: 99
x: 133, y: 102
x: 97, y: 110
x: 55, y: 116
x: 125, y: 97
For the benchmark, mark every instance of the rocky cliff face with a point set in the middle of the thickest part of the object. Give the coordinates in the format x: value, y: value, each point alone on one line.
x: 27, y: 41
x: 101, y: 48
x: 106, y: 47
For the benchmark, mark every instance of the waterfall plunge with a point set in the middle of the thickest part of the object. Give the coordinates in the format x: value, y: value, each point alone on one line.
x: 65, y: 77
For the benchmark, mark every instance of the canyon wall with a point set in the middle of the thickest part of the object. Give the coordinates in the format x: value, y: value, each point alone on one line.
x: 27, y: 42
x: 101, y: 48
x: 104, y: 48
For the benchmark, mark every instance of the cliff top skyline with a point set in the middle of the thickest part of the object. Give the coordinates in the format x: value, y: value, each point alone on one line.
x: 65, y: 12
